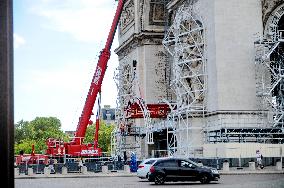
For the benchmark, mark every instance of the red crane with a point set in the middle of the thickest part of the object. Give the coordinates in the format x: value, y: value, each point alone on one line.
x: 76, y: 146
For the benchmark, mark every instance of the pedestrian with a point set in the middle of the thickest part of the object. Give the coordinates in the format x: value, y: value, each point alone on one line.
x: 51, y: 166
x: 125, y: 157
x: 259, y: 160
x: 80, y: 164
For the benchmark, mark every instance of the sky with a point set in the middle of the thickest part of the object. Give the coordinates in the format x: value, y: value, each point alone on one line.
x: 56, y: 49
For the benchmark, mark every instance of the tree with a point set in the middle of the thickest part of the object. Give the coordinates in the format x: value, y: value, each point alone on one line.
x: 25, y: 145
x: 37, y: 132
x: 21, y: 131
x: 46, y: 127
x: 104, y: 135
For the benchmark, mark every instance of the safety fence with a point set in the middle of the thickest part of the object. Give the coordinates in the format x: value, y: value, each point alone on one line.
x: 73, y: 167
x: 236, y: 162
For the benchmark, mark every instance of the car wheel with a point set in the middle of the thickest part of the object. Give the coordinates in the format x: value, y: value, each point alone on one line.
x: 204, y: 178
x: 159, y: 179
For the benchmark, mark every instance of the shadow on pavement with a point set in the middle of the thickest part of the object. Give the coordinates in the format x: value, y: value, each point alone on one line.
x: 185, y: 183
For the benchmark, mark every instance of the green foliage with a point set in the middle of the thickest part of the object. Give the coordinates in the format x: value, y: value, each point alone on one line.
x: 37, y: 132
x: 104, y: 135
x: 90, y: 134
x: 21, y: 131
x: 25, y: 145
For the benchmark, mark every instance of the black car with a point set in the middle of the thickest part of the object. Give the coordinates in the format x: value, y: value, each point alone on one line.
x: 178, y: 169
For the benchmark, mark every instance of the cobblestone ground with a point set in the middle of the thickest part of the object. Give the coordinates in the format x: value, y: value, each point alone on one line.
x: 228, y: 181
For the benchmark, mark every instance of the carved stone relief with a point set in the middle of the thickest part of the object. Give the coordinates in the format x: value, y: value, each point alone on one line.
x: 268, y: 6
x: 127, y: 16
x: 271, y: 31
x: 163, y: 72
x: 157, y: 12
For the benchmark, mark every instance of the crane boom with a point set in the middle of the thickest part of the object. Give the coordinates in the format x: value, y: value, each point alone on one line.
x: 96, y: 83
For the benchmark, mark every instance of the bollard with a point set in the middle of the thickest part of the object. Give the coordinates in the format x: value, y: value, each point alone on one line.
x: 278, y: 165
x: 226, y: 166
x: 105, y: 169
x: 30, y: 171
x: 46, y: 171
x: 64, y: 170
x: 96, y: 167
x: 251, y: 165
x: 127, y: 168
x: 84, y: 170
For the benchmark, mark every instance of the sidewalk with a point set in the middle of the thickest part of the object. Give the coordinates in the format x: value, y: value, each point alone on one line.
x: 246, y: 170
x: 77, y: 175
x: 233, y: 171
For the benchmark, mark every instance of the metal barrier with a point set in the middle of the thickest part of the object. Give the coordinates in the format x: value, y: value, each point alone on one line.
x: 93, y: 167
x: 72, y: 167
x: 235, y: 162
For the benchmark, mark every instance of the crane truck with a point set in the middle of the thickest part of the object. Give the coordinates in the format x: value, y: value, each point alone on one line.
x: 76, y: 147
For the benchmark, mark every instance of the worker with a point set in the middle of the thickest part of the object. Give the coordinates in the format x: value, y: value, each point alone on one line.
x: 122, y: 129
x: 128, y: 128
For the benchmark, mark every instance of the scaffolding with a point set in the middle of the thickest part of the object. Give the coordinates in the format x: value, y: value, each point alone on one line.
x: 134, y: 118
x: 184, y: 41
x: 270, y: 78
x: 127, y: 135
x: 241, y: 128
x: 269, y: 66
x: 266, y: 124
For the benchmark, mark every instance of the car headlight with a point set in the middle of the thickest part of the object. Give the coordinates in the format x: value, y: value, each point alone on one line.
x: 214, y: 171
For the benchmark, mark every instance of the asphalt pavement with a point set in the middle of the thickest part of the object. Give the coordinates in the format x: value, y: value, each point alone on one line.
x: 226, y: 181
x: 232, y: 171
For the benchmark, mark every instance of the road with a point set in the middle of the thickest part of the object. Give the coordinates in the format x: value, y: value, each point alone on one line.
x: 226, y: 181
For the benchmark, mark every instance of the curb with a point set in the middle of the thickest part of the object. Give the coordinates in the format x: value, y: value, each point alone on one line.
x: 73, y: 176
x: 250, y: 172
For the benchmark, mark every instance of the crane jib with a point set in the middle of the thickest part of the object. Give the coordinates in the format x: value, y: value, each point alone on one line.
x: 76, y: 147
x: 97, y: 79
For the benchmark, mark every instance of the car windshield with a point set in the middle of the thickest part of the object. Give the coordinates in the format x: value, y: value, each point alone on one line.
x: 150, y: 161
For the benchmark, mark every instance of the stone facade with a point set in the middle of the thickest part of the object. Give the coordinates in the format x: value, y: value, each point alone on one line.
x: 141, y: 32
x: 230, y: 100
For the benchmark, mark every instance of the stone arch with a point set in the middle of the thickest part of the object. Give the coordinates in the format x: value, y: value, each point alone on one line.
x: 272, y: 24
